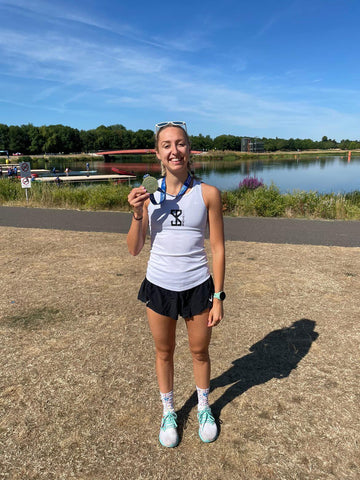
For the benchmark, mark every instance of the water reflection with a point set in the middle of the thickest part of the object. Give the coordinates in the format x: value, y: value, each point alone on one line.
x: 324, y: 174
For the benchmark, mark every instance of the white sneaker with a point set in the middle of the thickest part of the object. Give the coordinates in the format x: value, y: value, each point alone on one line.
x: 168, y: 436
x: 208, y: 431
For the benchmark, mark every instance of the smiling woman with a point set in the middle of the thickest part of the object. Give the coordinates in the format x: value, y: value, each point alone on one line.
x: 181, y: 141
x: 178, y: 279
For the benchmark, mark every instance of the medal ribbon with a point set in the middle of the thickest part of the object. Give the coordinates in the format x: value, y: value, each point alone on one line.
x: 162, y: 190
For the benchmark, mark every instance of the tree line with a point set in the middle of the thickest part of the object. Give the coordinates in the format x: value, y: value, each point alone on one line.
x: 29, y: 139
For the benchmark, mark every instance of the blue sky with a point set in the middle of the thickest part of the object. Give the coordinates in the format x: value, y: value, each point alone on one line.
x: 285, y: 68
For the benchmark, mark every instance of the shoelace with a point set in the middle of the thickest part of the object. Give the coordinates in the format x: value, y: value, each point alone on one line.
x: 205, y: 416
x: 169, y: 420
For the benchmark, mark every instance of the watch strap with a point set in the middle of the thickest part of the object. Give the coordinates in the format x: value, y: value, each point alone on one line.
x: 220, y: 295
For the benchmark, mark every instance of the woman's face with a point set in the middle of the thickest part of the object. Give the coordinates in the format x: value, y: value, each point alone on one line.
x: 173, y: 149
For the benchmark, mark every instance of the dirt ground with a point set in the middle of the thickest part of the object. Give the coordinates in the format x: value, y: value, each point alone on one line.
x: 78, y: 393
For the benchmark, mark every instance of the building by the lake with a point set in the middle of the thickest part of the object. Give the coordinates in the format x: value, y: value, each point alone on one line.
x: 252, y: 145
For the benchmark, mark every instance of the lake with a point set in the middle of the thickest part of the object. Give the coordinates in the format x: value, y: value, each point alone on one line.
x: 325, y: 174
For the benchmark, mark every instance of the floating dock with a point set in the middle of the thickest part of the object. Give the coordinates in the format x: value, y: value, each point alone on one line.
x: 39, y: 171
x: 85, y: 178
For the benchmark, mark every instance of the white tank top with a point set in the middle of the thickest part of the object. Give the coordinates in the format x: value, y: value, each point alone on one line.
x: 177, y: 228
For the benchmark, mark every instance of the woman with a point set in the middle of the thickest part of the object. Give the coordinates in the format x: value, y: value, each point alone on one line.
x: 178, y: 281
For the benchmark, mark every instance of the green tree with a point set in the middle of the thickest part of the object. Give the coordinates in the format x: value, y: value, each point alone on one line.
x: 36, y: 140
x: 102, y: 141
x: 227, y: 142
x: 18, y: 139
x: 200, y: 142
x: 52, y: 138
x: 144, y: 139
x: 87, y: 138
x: 4, y: 137
x: 354, y: 145
x: 270, y: 144
x: 326, y: 143
x: 344, y: 144
x: 69, y: 139
x: 290, y: 145
x: 307, y: 144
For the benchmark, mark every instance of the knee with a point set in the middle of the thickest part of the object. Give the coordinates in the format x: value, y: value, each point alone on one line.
x: 165, y: 352
x: 200, y: 354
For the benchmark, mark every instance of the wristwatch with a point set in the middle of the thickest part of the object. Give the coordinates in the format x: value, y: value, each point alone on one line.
x: 220, y: 295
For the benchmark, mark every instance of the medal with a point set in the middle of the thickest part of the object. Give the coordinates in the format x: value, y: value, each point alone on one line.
x: 150, y: 183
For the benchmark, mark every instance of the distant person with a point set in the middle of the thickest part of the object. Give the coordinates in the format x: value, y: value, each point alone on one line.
x: 178, y: 280
x: 88, y: 168
x: 1, y: 171
x: 67, y: 171
x: 53, y: 170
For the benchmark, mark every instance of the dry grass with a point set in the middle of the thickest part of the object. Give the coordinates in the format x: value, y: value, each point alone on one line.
x: 78, y: 394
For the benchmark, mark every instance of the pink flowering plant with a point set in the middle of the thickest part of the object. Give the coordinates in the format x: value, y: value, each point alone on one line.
x: 250, y: 183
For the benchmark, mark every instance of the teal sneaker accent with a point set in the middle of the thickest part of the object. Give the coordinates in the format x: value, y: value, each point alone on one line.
x: 208, y: 431
x: 168, y: 436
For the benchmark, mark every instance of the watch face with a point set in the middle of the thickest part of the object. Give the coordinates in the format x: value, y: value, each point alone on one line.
x: 220, y: 295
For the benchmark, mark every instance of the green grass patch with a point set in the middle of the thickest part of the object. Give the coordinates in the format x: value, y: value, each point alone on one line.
x: 34, y: 319
x: 265, y: 201
x: 108, y: 196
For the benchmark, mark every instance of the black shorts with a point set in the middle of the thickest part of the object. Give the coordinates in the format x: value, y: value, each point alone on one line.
x: 172, y: 304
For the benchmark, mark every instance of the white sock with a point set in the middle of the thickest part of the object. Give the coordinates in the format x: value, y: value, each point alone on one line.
x: 168, y: 401
x: 203, y: 397
x: 168, y: 433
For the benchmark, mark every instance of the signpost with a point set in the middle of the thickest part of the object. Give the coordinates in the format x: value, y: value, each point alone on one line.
x: 25, y: 173
x: 26, y: 183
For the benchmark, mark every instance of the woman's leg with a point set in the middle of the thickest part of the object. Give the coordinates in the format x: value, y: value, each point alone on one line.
x: 163, y: 331
x: 199, y: 339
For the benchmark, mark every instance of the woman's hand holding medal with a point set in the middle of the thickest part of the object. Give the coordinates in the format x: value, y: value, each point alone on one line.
x: 139, y: 195
x: 150, y: 183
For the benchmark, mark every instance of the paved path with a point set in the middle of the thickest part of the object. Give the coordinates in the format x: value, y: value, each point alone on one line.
x: 264, y: 230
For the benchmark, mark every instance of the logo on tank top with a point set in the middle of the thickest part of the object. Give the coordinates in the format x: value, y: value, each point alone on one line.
x: 176, y: 214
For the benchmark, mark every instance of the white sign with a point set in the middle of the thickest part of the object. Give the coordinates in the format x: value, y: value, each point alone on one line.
x: 25, y: 170
x: 26, y: 182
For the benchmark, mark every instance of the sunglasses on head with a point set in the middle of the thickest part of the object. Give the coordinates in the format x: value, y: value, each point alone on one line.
x: 160, y: 125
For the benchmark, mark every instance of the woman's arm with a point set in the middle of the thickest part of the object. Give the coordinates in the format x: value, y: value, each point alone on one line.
x: 138, y: 199
x: 213, y: 203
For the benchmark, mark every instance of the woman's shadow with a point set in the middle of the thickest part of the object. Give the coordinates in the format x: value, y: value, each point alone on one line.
x: 275, y: 356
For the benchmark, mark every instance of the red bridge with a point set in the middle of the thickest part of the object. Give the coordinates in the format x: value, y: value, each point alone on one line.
x: 139, y: 151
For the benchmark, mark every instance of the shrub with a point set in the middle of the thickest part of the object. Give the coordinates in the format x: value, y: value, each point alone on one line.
x: 353, y: 197
x: 300, y: 203
x: 326, y: 207
x: 261, y: 201
x: 229, y: 201
x: 268, y: 202
x: 10, y: 190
